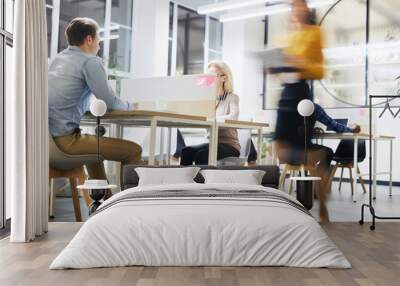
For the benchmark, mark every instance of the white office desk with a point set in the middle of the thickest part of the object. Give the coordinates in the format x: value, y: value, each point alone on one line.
x: 154, y: 119
x: 375, y: 140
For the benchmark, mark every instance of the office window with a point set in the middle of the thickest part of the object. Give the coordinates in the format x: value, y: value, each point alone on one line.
x: 49, y: 11
x: 384, y: 52
x: 115, y: 20
x: 6, y: 42
x: 170, y: 36
x: 194, y: 40
x: 190, y: 42
x: 72, y: 9
x: 344, y: 33
x: 121, y: 36
x: 215, y: 40
x: 9, y: 15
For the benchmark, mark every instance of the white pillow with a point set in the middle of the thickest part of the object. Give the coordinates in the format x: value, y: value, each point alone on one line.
x: 166, y: 176
x: 248, y: 177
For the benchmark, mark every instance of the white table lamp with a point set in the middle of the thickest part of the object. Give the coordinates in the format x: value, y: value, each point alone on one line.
x: 98, y: 108
x: 97, y: 188
x: 304, y: 185
x: 305, y: 108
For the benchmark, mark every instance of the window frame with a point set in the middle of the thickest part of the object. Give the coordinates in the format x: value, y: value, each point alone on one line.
x: 108, y: 23
x: 174, y: 38
x: 6, y: 39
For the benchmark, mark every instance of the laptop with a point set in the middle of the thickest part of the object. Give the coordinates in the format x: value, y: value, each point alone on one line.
x: 343, y: 121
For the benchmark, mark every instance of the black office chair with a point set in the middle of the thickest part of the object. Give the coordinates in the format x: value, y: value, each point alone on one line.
x: 344, y: 159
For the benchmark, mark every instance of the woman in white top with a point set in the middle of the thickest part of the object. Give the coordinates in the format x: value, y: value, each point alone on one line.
x: 227, y: 107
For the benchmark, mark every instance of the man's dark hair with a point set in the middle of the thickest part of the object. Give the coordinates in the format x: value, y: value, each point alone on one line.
x: 78, y: 29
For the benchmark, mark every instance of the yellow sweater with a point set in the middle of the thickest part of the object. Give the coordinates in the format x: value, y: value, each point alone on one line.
x: 307, y: 43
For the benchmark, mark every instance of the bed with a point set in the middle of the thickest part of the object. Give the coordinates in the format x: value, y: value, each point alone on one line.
x: 201, y: 224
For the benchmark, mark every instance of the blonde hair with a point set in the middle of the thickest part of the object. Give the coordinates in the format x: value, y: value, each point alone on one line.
x: 228, y: 83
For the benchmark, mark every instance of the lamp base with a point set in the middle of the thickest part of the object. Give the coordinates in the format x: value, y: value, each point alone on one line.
x: 96, y: 195
x: 304, y: 193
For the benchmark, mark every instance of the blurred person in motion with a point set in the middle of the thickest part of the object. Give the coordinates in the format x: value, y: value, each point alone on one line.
x: 303, y: 53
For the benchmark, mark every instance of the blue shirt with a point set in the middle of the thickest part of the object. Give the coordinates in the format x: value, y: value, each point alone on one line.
x: 74, y: 77
x: 321, y: 116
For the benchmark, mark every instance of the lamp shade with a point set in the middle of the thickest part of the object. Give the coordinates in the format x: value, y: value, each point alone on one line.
x: 98, y: 107
x: 305, y: 107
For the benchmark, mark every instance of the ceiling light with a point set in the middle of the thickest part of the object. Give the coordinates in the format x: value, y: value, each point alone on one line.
x: 229, y: 5
x: 269, y: 10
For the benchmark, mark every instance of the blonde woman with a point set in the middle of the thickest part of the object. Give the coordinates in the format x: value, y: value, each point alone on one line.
x: 227, y: 107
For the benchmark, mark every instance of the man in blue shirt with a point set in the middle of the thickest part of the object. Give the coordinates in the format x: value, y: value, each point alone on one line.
x: 332, y: 124
x: 75, y: 75
x: 324, y: 118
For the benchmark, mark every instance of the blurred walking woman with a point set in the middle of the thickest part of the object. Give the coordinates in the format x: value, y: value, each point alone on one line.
x: 227, y: 107
x: 303, y: 53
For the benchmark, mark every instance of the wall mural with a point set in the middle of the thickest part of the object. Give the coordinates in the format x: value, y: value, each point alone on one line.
x: 344, y: 24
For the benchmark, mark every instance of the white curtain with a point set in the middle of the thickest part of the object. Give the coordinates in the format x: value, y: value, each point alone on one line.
x: 28, y: 123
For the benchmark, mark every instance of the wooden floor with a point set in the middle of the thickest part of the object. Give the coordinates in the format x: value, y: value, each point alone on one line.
x: 375, y: 257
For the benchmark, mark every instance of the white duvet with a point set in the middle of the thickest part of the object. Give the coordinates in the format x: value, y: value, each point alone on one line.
x: 200, y: 231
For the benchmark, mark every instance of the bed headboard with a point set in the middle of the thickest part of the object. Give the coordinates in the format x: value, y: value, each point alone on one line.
x: 271, y: 178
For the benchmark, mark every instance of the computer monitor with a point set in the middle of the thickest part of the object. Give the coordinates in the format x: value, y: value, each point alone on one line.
x: 341, y: 121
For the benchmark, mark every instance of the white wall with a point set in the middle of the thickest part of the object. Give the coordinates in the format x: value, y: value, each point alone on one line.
x: 150, y: 48
x: 240, y: 38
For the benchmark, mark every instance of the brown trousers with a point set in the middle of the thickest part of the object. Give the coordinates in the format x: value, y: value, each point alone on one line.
x: 111, y: 149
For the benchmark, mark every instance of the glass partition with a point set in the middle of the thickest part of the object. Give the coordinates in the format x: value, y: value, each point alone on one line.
x: 187, y: 94
x: 384, y: 47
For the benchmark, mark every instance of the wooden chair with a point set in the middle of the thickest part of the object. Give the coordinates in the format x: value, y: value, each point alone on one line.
x: 292, y: 169
x: 349, y: 166
x: 71, y: 167
x: 344, y: 159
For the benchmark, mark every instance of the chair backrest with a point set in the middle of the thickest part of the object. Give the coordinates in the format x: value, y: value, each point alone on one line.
x: 345, y: 150
x: 62, y: 161
x: 244, y: 137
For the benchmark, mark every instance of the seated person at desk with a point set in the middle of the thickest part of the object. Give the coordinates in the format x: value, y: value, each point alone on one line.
x: 74, y: 75
x: 227, y: 107
x: 180, y: 144
x: 322, y: 117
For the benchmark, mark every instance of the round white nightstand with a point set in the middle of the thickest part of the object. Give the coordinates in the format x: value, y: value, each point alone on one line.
x: 304, y: 190
x: 97, y: 190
